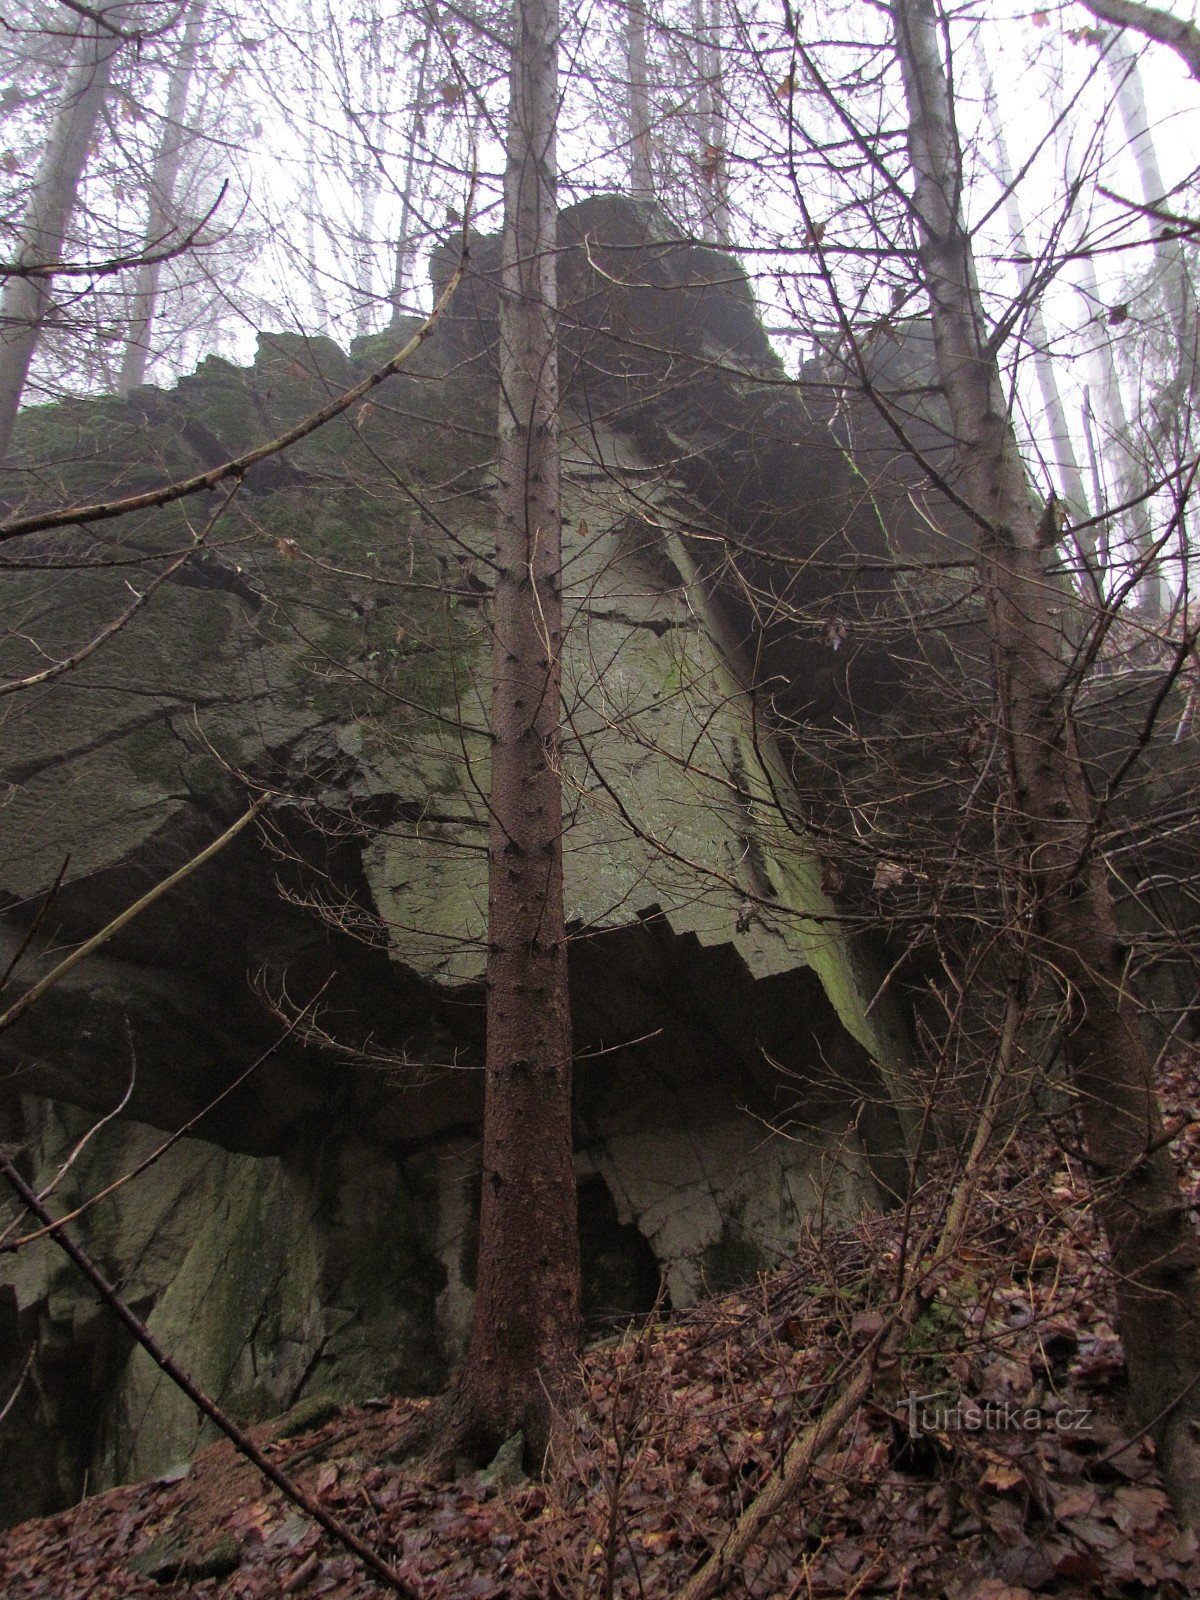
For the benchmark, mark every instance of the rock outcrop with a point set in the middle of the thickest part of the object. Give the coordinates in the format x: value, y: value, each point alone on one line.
x: 302, y: 1017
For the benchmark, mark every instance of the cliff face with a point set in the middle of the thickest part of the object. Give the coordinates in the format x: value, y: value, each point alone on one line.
x: 306, y: 1008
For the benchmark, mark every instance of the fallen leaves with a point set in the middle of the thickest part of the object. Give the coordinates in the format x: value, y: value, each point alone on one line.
x: 678, y: 1424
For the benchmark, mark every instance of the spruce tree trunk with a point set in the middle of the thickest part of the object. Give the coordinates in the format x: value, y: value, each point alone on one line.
x: 25, y: 301
x: 526, y: 1328
x: 1153, y: 1245
x: 160, y: 219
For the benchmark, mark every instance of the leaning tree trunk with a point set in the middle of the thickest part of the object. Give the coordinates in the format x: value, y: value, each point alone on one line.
x: 1130, y: 95
x: 526, y: 1327
x: 26, y: 300
x: 1153, y: 1245
x: 160, y: 222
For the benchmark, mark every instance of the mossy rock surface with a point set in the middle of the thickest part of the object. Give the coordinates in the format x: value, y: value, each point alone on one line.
x: 307, y: 1009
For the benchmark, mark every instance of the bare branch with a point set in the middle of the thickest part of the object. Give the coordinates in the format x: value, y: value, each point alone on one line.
x: 103, y: 269
x: 202, y: 1400
x: 35, y: 993
x: 68, y: 663
x: 1182, y: 37
x: 105, y: 511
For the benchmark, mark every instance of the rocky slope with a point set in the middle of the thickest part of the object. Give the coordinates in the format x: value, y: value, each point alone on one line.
x: 992, y: 1462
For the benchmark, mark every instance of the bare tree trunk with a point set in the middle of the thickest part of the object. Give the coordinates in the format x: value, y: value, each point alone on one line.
x: 1169, y: 253
x: 25, y: 301
x: 526, y: 1327
x: 1062, y: 446
x: 365, y: 179
x: 1152, y: 1243
x: 710, y: 118
x: 1117, y: 443
x: 1173, y: 257
x: 641, y: 174
x: 160, y: 220
x: 1099, y: 489
x: 722, y: 224
x: 1116, y: 438
x: 405, y: 249
x: 312, y: 202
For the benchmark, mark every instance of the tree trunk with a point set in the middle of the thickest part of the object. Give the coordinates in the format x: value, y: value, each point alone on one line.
x: 526, y: 1328
x: 641, y: 174
x: 1116, y: 437
x: 365, y: 181
x: 160, y: 221
x: 1099, y: 489
x: 1062, y: 447
x: 710, y: 121
x: 1118, y: 447
x: 1153, y: 1245
x: 405, y: 255
x: 1170, y: 254
x: 25, y: 301
x: 722, y: 221
x: 312, y: 201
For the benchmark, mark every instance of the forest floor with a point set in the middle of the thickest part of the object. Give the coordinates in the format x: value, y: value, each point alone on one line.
x: 1013, y: 1475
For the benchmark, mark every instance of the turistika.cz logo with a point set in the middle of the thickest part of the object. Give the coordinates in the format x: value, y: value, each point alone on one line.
x: 935, y: 1413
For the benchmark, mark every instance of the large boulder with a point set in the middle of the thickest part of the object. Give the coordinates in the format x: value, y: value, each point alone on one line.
x: 303, y: 1015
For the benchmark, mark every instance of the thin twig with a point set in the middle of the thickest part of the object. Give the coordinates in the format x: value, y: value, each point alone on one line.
x: 35, y: 993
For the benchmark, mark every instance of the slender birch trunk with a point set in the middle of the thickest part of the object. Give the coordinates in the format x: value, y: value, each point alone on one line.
x: 1062, y: 446
x: 1152, y: 1242
x: 311, y: 203
x: 1129, y: 468
x: 1170, y: 253
x: 526, y: 1327
x: 366, y: 186
x: 1116, y: 440
x: 722, y: 223
x: 1099, y: 489
x: 641, y: 174
x: 25, y: 301
x: 710, y: 120
x: 365, y: 178
x: 160, y: 211
x: 406, y: 253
